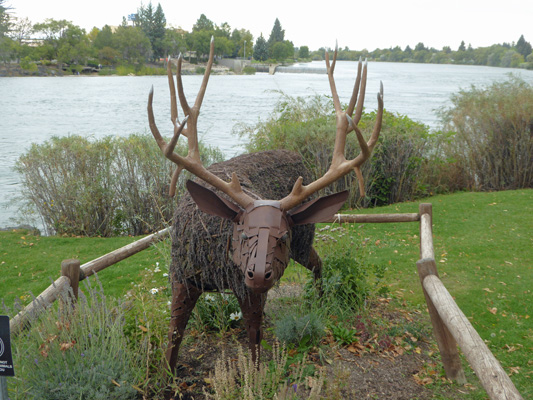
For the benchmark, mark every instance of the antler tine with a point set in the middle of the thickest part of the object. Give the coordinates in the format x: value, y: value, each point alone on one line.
x: 355, y: 92
x: 331, y: 69
x: 173, y: 100
x: 340, y: 166
x: 192, y: 161
x: 361, y: 100
x: 201, y: 92
x: 183, y: 100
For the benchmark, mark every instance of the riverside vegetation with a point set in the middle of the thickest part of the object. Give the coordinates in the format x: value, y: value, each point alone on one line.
x: 63, y: 46
x: 482, y: 242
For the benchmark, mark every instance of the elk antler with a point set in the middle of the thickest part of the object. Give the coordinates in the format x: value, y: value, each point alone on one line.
x: 340, y: 166
x: 191, y: 162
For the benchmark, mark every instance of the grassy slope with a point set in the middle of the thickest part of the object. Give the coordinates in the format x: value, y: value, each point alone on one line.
x: 483, y: 244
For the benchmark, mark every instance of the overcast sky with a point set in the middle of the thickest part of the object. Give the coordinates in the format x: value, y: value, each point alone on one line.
x: 356, y: 24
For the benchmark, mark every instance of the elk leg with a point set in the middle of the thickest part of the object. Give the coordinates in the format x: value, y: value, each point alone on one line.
x: 315, y: 266
x: 183, y: 301
x: 252, y: 306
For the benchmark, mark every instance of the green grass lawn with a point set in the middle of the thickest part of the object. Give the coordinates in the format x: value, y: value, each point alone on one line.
x: 483, y: 247
x: 484, y: 251
x: 29, y: 263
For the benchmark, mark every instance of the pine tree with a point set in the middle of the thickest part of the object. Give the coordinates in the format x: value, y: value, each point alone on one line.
x: 277, y: 34
x: 153, y: 25
x: 261, y: 49
x: 523, y: 47
x: 4, y: 19
x: 158, y: 32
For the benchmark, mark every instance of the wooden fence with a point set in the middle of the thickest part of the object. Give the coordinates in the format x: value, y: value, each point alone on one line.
x: 450, y: 325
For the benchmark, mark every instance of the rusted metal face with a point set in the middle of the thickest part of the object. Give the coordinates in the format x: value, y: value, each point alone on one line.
x: 261, y: 244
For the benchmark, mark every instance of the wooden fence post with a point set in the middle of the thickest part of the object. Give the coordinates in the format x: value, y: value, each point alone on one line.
x: 71, y: 269
x: 445, y: 340
x: 427, y: 266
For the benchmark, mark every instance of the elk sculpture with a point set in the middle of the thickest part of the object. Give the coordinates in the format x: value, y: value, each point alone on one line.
x: 243, y: 219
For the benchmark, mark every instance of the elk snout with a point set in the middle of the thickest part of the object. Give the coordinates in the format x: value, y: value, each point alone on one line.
x: 259, y: 274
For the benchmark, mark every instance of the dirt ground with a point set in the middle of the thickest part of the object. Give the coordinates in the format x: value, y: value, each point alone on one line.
x: 376, y: 366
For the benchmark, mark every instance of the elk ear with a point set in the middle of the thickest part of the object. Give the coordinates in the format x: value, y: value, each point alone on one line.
x: 319, y: 210
x: 210, y: 203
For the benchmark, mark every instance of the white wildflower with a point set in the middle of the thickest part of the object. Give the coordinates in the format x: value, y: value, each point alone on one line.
x: 235, y: 316
x: 165, y: 274
x: 209, y: 297
x: 157, y: 269
x: 154, y: 290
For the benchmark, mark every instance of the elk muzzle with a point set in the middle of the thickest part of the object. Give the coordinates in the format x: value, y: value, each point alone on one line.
x: 261, y: 245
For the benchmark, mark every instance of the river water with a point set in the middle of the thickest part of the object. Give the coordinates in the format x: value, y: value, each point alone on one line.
x: 34, y: 109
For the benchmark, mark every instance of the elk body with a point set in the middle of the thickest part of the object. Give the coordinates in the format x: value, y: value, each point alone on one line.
x: 243, y: 219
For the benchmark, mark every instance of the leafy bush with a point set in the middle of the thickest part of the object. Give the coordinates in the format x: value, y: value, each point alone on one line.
x: 302, y: 331
x: 249, y: 70
x: 110, y: 186
x: 81, y: 354
x: 27, y: 64
x: 345, y: 280
x: 307, y: 126
x: 492, y: 135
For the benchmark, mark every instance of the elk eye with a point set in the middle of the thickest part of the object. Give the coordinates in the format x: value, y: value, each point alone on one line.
x: 244, y: 236
x: 284, y: 237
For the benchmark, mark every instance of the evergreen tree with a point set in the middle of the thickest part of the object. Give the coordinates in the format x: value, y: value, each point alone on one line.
x: 261, y: 49
x: 203, y: 24
x: 462, y: 46
x: 158, y: 32
x: 153, y: 25
x: 277, y: 35
x: 523, y: 47
x: 4, y: 19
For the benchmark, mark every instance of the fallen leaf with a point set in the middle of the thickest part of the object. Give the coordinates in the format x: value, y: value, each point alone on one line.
x: 493, y: 310
x: 488, y: 290
x: 114, y: 382
x: 66, y: 346
x: 143, y: 328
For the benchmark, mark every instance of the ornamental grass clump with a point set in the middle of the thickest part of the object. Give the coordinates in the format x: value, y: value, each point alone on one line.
x: 246, y: 380
x: 78, y: 353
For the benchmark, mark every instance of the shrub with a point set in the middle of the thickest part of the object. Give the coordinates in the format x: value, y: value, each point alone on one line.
x: 249, y: 70
x: 308, y: 127
x: 301, y: 331
x: 78, y: 354
x: 27, y: 64
x: 492, y: 139
x: 109, y: 186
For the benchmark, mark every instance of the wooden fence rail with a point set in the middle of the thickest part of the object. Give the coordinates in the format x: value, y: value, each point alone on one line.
x: 450, y: 325
x: 50, y: 294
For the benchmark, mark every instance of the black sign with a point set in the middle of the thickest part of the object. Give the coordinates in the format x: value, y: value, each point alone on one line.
x: 6, y: 360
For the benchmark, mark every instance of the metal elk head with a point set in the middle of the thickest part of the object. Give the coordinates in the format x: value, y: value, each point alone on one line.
x: 262, y: 228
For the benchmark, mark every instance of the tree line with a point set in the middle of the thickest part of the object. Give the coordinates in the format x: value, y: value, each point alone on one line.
x: 509, y: 55
x: 148, y: 38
